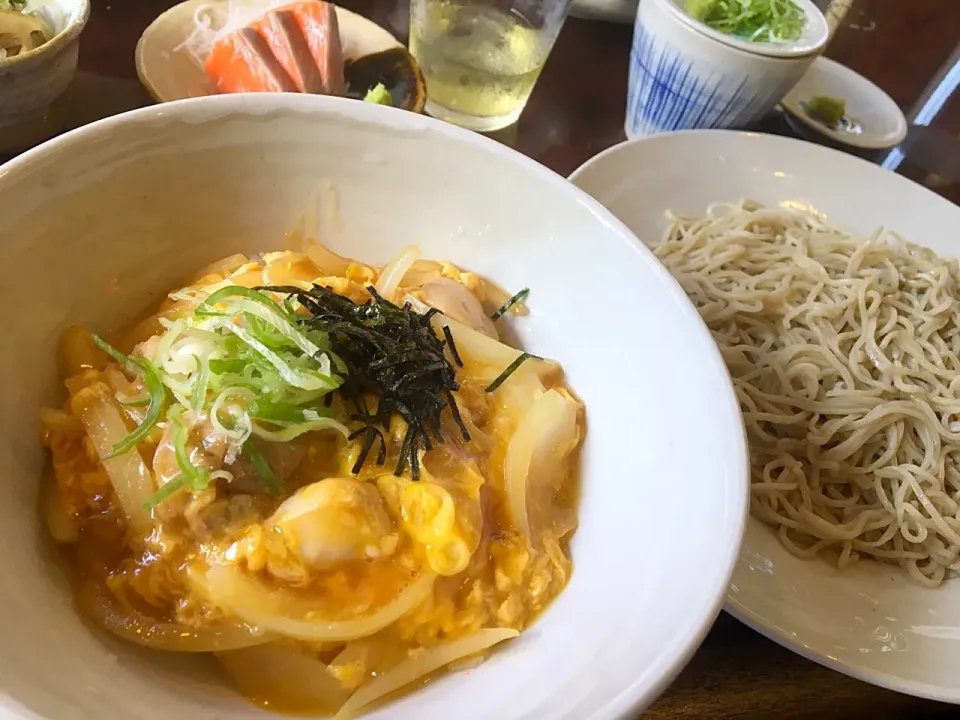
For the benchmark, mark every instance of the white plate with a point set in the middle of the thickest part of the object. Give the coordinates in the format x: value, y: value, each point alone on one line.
x: 878, y: 122
x: 169, y: 73
x: 102, y: 220
x: 871, y: 622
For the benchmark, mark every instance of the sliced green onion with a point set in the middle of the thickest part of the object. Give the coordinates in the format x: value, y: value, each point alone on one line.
x: 165, y: 492
x: 260, y: 465
x: 201, y: 382
x: 221, y: 366
x: 303, y: 380
x: 151, y: 378
x: 195, y: 476
x: 277, y: 412
x: 252, y: 302
x: 291, y: 432
x: 240, y: 428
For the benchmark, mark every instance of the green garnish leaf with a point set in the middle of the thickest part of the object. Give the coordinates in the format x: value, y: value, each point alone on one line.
x: 158, y: 396
x: 379, y: 95
x: 752, y: 20
x: 270, y: 481
x: 198, y: 478
x: 828, y: 110
x: 165, y: 492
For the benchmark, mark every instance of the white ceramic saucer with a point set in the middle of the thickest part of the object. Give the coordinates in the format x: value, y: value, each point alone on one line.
x: 875, y: 121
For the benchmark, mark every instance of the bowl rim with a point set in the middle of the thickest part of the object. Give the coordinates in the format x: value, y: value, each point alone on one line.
x: 787, y: 51
x: 636, y: 696
x: 879, y: 99
x: 59, y: 41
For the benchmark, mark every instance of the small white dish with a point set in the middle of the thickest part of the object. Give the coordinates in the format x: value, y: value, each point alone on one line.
x: 871, y: 621
x: 875, y: 121
x: 110, y: 216
x: 168, y: 71
x: 685, y: 75
x: 31, y: 82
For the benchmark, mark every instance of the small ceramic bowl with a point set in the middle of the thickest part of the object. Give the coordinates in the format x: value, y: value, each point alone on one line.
x: 872, y: 121
x: 685, y: 75
x: 31, y: 82
x: 371, y: 54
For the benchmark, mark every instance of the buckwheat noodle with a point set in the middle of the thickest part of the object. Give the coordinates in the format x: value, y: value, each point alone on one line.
x: 845, y: 356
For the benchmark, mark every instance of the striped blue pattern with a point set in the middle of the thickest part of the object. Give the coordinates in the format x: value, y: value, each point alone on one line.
x: 666, y: 92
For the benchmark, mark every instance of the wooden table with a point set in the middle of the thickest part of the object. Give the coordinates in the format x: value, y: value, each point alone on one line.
x: 909, y: 48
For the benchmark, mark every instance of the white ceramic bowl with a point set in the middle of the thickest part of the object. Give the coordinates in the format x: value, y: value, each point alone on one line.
x: 870, y: 621
x: 104, y: 220
x: 685, y: 75
x: 877, y: 121
x: 31, y: 82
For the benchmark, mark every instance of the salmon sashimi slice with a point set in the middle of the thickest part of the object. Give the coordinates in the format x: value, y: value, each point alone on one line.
x: 282, y: 33
x: 319, y: 26
x: 293, y: 48
x: 242, y: 62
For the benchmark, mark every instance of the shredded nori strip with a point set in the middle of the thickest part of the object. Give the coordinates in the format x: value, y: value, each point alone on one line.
x: 509, y: 304
x: 394, y: 354
x: 452, y: 345
x: 511, y: 368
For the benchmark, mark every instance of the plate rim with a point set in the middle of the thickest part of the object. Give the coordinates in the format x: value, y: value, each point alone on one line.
x: 732, y: 603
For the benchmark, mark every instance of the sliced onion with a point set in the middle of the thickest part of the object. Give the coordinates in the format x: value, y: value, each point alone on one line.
x: 483, y: 357
x: 423, y: 664
x: 132, y: 481
x: 60, y: 421
x: 329, y: 262
x: 63, y: 528
x: 280, y: 677
x: 223, y: 267
x: 277, y: 611
x: 547, y: 433
x: 422, y: 272
x: 140, y: 629
x: 393, y: 272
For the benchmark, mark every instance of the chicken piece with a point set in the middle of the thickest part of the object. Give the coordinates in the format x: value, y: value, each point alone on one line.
x: 334, y: 520
x: 458, y: 303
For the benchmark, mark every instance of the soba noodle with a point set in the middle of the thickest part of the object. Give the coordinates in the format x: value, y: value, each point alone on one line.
x: 845, y: 355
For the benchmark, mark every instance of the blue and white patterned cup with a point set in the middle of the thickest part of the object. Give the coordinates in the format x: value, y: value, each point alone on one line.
x: 684, y: 75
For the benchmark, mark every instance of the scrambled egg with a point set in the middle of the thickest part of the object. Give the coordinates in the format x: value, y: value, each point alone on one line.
x: 332, y: 539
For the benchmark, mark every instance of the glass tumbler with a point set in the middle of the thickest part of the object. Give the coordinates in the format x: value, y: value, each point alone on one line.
x: 481, y: 58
